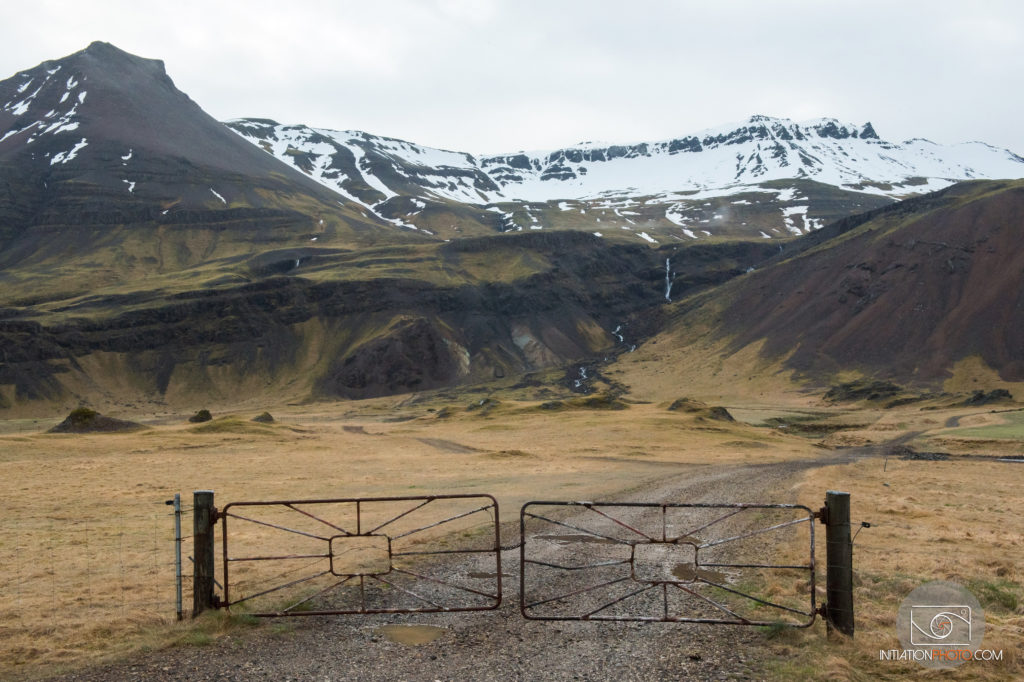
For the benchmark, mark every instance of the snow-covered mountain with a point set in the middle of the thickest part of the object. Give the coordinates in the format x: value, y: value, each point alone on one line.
x: 766, y: 176
x: 104, y: 132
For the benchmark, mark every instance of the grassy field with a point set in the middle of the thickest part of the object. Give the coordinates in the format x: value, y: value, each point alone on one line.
x: 1010, y: 426
x: 87, y: 538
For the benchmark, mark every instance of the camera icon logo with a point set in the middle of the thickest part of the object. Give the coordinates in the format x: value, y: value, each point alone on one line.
x: 941, y: 625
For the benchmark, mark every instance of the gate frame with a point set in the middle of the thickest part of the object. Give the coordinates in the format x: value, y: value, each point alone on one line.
x: 810, y: 567
x: 223, y: 514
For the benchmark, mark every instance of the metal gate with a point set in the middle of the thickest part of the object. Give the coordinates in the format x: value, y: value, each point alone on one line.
x: 362, y: 555
x: 695, y: 563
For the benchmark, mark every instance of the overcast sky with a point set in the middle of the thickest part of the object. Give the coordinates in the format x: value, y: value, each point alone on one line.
x: 503, y: 75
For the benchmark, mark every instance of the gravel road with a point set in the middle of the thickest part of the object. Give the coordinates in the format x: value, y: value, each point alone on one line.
x: 492, y: 645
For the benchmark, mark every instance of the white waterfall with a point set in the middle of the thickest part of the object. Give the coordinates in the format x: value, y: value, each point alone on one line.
x: 668, y: 280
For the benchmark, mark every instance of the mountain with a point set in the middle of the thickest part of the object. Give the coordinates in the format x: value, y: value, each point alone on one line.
x: 152, y: 257
x: 763, y: 178
x: 911, y: 293
x: 109, y: 173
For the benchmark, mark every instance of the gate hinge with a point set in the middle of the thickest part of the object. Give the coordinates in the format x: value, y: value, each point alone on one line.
x: 822, y: 515
x: 214, y: 516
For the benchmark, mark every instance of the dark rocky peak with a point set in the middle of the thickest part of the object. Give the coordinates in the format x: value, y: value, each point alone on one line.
x: 685, y: 144
x: 739, y: 136
x: 103, y: 118
x: 520, y: 161
x: 106, y: 57
x: 117, y: 102
x: 833, y: 129
x: 868, y: 132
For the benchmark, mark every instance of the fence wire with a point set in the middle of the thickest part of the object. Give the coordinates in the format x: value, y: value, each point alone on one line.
x: 64, y: 572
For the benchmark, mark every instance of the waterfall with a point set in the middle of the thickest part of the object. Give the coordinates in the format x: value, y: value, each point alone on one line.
x: 668, y: 280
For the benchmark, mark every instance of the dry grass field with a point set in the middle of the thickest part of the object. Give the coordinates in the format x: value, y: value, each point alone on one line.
x: 86, y: 547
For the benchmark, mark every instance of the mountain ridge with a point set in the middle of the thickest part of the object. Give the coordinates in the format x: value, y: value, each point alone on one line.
x: 681, y: 188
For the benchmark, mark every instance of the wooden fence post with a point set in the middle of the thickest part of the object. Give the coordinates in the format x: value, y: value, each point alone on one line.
x: 838, y: 562
x: 204, y: 517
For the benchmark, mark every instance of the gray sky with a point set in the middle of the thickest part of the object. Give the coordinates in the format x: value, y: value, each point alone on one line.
x: 503, y: 75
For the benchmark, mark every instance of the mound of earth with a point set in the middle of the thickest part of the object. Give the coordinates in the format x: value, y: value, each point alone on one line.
x: 701, y: 409
x: 84, y: 420
x: 999, y: 395
x: 233, y: 424
x: 862, y: 390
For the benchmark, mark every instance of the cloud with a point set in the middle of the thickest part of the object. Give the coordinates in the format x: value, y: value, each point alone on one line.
x: 508, y: 74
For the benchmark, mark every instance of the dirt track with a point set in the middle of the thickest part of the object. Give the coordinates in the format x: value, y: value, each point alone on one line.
x: 494, y: 645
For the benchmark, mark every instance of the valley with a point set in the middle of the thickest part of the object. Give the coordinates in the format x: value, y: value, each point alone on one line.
x: 758, y: 312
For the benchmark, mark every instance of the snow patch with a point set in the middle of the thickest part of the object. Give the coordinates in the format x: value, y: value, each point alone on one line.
x: 64, y: 157
x: 648, y: 238
x: 809, y: 224
x: 674, y: 214
x: 225, y: 201
x: 62, y: 127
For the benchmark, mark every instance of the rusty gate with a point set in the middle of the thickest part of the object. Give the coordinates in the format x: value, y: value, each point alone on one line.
x: 743, y: 564
x: 695, y: 563
x: 362, y: 555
